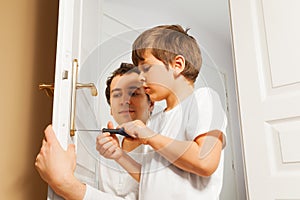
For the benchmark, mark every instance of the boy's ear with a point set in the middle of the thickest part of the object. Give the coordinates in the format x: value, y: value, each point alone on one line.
x: 151, y: 106
x: 178, y: 65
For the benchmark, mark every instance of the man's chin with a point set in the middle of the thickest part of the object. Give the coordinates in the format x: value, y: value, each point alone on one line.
x: 126, y: 119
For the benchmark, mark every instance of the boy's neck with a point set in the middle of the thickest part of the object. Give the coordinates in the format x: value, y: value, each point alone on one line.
x: 180, y: 92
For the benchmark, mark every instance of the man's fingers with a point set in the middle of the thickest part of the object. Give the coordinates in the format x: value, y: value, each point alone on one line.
x: 109, y: 151
x: 71, y: 148
x: 110, y: 125
x: 44, y: 142
x: 104, y: 146
x: 50, y: 135
x: 116, y: 140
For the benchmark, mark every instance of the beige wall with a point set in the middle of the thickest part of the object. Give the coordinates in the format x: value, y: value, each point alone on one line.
x: 27, y: 57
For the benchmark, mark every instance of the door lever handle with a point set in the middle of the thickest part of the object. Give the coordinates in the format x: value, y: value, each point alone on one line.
x: 76, y: 86
x: 88, y: 85
x: 48, y: 88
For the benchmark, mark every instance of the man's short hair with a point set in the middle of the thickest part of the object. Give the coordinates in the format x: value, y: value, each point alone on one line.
x: 125, y: 68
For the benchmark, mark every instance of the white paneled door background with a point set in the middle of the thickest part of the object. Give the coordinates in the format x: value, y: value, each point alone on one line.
x: 267, y: 48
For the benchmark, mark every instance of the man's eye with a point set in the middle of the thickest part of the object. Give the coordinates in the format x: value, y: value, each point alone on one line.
x: 116, y: 95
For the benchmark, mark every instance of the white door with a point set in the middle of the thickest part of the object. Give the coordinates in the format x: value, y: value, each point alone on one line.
x: 267, y: 50
x: 97, y: 43
x: 77, y: 69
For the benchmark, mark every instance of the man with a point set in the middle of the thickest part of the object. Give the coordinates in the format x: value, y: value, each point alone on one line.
x: 128, y: 102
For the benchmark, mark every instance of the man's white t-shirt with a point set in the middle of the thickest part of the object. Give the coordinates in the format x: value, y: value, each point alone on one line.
x: 197, y: 114
x: 104, y: 178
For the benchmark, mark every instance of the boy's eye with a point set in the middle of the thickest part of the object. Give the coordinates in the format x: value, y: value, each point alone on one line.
x: 133, y: 93
x: 146, y: 68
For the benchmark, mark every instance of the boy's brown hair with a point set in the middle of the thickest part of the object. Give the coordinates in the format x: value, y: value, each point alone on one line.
x: 165, y: 42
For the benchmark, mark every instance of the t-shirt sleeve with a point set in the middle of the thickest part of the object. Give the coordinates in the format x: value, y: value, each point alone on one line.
x: 95, y: 194
x: 206, y: 114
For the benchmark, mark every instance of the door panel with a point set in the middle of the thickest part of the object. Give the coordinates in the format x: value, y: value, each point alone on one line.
x: 266, y: 49
x: 282, y: 36
x: 74, y: 101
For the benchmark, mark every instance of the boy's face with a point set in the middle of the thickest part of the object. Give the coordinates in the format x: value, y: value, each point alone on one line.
x: 128, y: 100
x: 157, y: 79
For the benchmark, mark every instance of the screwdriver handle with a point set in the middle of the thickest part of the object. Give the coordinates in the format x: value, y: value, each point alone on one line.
x: 119, y: 131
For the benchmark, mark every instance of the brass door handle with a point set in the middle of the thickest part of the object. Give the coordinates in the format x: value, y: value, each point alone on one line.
x: 94, y: 91
x: 48, y: 88
x: 76, y: 86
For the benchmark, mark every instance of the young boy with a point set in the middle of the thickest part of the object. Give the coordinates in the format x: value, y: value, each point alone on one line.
x: 184, y: 157
x: 127, y: 101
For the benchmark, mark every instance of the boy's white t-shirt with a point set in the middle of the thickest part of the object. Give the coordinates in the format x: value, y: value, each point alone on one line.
x: 197, y: 114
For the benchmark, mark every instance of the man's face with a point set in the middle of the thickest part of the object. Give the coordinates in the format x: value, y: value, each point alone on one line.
x: 128, y: 99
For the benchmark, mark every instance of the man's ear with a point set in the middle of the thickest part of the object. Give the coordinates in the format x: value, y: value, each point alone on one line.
x: 178, y: 65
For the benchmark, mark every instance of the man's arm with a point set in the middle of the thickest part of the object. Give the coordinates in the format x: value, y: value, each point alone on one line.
x: 56, y: 167
x: 108, y: 146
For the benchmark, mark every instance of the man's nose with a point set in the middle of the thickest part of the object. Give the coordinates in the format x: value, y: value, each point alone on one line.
x: 126, y: 99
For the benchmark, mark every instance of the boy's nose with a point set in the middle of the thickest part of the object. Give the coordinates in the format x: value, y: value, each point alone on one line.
x: 142, y: 77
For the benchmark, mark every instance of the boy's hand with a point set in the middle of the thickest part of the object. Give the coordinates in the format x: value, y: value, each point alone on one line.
x: 108, y: 145
x: 137, y: 129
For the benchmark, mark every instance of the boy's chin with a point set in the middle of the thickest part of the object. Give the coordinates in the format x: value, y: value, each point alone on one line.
x: 154, y: 97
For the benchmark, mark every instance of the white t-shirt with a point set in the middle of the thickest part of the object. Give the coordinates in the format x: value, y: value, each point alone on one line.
x: 197, y: 114
x: 104, y: 178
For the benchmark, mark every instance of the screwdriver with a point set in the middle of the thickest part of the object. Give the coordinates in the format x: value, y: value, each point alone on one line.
x: 119, y: 131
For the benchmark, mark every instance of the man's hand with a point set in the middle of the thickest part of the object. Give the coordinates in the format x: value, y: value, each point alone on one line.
x: 55, y: 165
x: 108, y: 145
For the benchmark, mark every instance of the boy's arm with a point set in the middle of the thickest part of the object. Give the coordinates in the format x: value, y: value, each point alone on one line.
x: 200, y: 156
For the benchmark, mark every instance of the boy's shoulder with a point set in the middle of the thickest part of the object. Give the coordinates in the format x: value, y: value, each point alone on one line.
x: 205, y: 96
x: 154, y: 116
x: 204, y: 91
